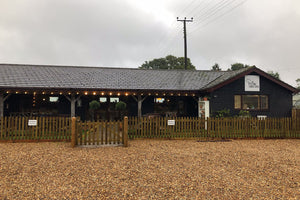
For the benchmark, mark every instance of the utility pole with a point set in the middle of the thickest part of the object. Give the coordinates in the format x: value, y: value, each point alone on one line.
x: 184, y: 36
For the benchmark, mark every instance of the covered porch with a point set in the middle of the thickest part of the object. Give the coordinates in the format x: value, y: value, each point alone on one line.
x: 39, y: 102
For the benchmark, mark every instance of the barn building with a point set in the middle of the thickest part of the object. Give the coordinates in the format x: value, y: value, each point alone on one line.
x: 44, y: 90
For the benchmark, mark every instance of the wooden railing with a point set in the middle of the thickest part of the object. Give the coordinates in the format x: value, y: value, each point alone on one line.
x: 23, y: 129
x: 35, y: 128
x: 253, y: 128
x: 213, y: 127
x: 108, y: 132
x: 162, y: 127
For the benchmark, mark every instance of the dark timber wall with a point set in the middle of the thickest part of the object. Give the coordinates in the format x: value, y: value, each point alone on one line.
x: 280, y: 99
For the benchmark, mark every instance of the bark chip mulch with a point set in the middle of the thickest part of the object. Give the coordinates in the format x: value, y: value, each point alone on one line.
x: 152, y: 169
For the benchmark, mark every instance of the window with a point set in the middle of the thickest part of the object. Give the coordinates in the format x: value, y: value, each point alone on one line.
x: 251, y: 102
x: 114, y: 99
x: 159, y: 100
x: 103, y: 99
x: 237, y: 101
x: 53, y: 99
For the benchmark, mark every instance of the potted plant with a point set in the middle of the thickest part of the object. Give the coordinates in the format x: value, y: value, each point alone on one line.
x: 93, y: 105
x: 121, y: 107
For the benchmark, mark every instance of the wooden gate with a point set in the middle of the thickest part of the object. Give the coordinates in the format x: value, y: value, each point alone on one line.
x: 99, y: 133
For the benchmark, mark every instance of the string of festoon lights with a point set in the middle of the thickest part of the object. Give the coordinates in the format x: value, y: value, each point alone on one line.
x: 102, y: 93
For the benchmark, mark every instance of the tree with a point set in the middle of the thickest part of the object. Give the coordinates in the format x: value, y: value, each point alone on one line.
x: 169, y: 62
x: 274, y: 74
x: 298, y: 83
x: 121, y: 107
x: 216, y: 67
x: 94, y: 105
x: 237, y: 66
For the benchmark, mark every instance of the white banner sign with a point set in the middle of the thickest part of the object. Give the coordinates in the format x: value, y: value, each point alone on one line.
x: 32, y: 122
x: 252, y: 83
x: 171, y: 122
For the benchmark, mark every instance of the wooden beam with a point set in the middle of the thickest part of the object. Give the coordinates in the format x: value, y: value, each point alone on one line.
x: 73, y: 102
x: 2, y: 100
x: 139, y: 100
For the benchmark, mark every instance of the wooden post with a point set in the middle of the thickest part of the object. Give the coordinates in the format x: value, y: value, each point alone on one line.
x: 139, y: 100
x: 73, y: 132
x: 2, y: 100
x: 139, y: 106
x: 73, y: 100
x: 1, y: 105
x: 125, y: 132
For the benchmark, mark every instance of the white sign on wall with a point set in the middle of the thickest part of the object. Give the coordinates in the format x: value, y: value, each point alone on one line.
x: 32, y: 122
x: 252, y: 83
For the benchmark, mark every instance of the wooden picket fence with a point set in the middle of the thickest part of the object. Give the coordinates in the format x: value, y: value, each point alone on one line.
x: 14, y: 129
x: 296, y: 113
x: 46, y: 128
x: 157, y: 127
x: 100, y: 133
x: 253, y: 128
x: 194, y: 127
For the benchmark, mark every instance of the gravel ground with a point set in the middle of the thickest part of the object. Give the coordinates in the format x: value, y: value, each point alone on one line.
x: 152, y: 169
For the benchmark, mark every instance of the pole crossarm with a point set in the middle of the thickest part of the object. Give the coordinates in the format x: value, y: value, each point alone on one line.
x: 185, y: 20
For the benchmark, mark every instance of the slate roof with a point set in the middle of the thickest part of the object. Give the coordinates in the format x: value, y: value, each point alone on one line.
x: 100, y: 78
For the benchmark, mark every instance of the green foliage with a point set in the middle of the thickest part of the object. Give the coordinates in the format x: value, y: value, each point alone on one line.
x: 94, y: 105
x: 244, y: 113
x: 216, y: 67
x: 238, y: 66
x: 120, y: 106
x: 274, y: 74
x: 169, y: 62
x: 298, y: 83
x: 222, y: 113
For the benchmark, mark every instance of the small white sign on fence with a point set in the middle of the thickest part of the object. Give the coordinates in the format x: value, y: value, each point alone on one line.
x: 32, y: 122
x: 171, y: 122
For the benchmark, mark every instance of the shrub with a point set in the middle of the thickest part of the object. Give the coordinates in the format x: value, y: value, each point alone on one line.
x: 94, y: 105
x: 244, y: 113
x: 120, y: 106
x: 222, y: 113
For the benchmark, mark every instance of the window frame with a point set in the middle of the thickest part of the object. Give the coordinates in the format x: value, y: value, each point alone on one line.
x: 260, y: 96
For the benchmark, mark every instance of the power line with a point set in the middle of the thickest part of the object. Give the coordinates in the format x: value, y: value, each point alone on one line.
x: 213, y: 7
x: 213, y: 11
x: 163, y: 46
x: 216, y: 18
x: 179, y: 13
x: 203, y: 11
x: 185, y: 8
x: 208, y: 13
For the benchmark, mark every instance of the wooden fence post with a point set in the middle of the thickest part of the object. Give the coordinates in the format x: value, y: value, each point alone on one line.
x: 125, y: 132
x: 73, y: 132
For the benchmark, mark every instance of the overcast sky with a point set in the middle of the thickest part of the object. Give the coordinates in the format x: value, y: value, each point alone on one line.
x: 125, y: 33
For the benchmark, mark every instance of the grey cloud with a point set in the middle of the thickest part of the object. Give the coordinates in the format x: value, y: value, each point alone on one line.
x: 114, y: 33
